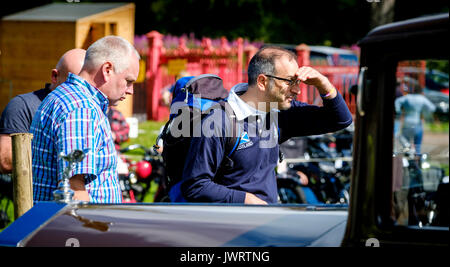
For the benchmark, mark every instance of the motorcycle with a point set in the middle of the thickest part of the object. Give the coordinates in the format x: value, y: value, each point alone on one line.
x: 6, y: 199
x: 328, y: 180
x: 137, y: 182
x: 328, y: 184
x: 292, y: 190
x: 424, y: 184
x: 323, y: 159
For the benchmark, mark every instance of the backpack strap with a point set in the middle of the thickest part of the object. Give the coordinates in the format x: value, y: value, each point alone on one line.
x: 280, y: 153
x: 236, y: 143
x: 162, y: 134
x: 232, y: 141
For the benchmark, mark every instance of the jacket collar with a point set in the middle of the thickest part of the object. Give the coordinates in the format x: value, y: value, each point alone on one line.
x: 239, y: 106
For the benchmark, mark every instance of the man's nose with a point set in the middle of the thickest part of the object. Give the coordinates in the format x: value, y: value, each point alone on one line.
x: 296, y: 89
x: 130, y: 90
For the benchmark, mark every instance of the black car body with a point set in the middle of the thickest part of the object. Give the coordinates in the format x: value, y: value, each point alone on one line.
x: 177, y: 225
x: 371, y: 208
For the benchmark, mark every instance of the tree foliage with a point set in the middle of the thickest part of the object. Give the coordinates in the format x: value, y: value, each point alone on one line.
x: 280, y: 21
x: 332, y: 22
x: 315, y: 22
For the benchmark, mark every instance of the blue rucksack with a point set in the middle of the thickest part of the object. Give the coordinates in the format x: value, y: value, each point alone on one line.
x: 196, y: 96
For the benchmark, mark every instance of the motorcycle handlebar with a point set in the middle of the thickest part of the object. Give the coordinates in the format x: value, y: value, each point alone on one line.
x: 322, y: 137
x: 146, y: 150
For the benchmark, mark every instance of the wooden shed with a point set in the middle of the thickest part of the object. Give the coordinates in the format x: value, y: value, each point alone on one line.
x: 32, y: 41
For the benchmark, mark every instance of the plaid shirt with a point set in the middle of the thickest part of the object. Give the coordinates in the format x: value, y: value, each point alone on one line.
x: 71, y: 117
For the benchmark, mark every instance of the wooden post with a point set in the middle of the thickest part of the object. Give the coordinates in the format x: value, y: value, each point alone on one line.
x: 22, y: 174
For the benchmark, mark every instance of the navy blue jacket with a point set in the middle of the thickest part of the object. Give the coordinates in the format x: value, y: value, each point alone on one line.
x: 256, y: 156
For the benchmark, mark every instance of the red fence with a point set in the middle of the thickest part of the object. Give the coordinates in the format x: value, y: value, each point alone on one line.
x: 229, y: 62
x: 226, y: 61
x: 342, y: 78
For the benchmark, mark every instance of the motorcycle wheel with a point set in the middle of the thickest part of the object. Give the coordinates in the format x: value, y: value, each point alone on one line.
x: 290, y: 191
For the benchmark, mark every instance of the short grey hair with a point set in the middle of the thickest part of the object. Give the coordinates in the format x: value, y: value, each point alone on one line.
x: 263, y: 62
x: 114, y: 49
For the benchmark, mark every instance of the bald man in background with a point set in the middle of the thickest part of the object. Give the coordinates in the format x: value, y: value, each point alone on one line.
x: 18, y: 114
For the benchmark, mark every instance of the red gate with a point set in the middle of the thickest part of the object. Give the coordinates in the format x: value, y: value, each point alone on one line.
x: 342, y: 77
x: 226, y: 61
x: 230, y: 62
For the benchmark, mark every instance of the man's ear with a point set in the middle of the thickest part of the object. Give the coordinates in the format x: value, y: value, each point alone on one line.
x: 262, y: 82
x: 107, y: 70
x: 54, y: 77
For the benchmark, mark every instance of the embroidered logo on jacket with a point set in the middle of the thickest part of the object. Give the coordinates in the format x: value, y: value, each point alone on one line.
x: 245, y: 141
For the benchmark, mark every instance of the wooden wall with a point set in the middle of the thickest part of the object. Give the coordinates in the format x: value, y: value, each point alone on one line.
x: 29, y: 51
x: 102, y: 24
x: 118, y: 21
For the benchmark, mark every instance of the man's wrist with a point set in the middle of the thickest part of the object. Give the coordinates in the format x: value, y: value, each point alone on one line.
x: 330, y: 94
x: 327, y: 91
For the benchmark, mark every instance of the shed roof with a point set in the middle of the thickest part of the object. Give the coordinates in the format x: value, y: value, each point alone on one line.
x: 62, y: 11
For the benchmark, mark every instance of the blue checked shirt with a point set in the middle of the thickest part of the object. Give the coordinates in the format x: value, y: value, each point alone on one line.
x: 71, y: 117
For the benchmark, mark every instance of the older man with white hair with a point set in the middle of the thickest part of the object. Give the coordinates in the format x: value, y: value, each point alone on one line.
x: 74, y: 117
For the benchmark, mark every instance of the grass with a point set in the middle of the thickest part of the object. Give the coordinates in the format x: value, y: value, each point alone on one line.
x: 148, y: 132
x: 437, y: 127
x: 9, y: 206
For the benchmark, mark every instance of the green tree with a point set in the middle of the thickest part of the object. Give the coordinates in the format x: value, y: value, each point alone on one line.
x: 342, y: 22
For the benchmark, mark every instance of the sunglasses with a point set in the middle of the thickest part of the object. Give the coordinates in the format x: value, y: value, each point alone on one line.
x: 291, y: 82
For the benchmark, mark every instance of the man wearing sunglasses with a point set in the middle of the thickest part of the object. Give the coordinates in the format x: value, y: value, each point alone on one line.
x: 266, y: 114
